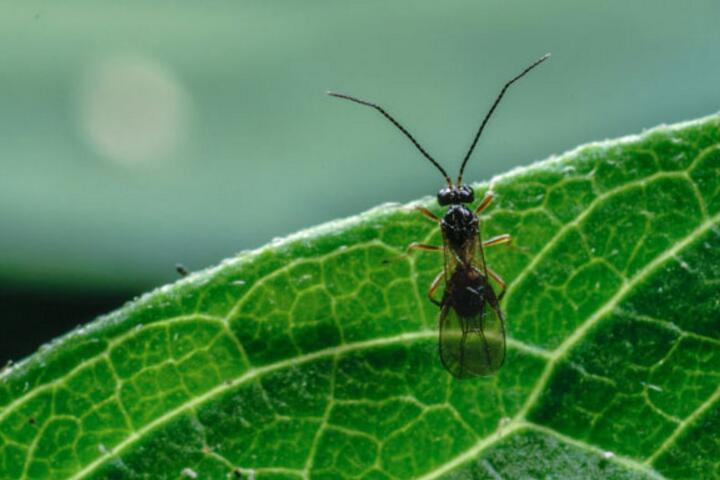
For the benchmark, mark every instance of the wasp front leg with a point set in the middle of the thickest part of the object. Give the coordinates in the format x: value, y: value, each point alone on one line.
x: 486, y: 201
x: 428, y: 214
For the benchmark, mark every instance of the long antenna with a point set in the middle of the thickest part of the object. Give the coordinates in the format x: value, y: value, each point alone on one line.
x: 492, y: 109
x: 400, y: 127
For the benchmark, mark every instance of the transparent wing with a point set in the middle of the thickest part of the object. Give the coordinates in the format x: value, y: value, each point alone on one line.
x: 474, y: 345
x: 449, y: 258
x: 472, y: 250
x: 478, y: 256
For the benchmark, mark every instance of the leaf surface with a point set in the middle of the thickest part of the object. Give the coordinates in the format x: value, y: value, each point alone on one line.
x: 316, y: 356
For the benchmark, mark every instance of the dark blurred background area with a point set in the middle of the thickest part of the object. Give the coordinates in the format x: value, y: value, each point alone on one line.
x: 137, y: 135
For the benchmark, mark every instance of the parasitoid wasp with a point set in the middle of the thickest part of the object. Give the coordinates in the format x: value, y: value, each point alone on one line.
x: 472, y: 325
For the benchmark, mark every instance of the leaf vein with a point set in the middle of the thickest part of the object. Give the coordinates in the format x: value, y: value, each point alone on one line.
x: 519, y: 420
x: 545, y: 250
x: 682, y: 426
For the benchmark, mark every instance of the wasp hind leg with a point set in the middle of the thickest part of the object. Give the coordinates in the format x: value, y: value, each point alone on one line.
x: 499, y: 281
x: 434, y: 286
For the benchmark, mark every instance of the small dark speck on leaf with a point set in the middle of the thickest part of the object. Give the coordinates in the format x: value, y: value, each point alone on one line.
x: 181, y: 270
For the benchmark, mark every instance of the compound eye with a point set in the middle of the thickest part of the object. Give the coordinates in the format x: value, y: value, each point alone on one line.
x: 466, y: 194
x: 445, y: 197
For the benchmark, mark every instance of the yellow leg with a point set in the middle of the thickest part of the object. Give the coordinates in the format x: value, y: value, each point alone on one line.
x: 422, y: 246
x: 428, y: 214
x: 434, y: 286
x: 485, y: 202
x: 499, y: 240
x: 414, y: 246
x: 498, y: 279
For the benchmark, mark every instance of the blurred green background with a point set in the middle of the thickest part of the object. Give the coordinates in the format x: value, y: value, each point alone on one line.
x: 135, y: 135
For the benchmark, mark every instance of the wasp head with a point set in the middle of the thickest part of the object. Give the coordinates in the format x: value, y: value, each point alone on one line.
x: 455, y: 195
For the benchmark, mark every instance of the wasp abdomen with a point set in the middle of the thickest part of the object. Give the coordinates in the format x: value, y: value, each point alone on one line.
x: 467, y: 293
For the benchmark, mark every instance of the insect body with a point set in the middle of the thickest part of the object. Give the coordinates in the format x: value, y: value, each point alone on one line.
x: 472, y: 325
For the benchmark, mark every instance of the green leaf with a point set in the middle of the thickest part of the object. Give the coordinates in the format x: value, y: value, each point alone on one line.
x: 317, y: 357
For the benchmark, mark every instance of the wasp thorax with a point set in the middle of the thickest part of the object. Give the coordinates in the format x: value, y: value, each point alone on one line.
x: 459, y: 224
x: 455, y: 195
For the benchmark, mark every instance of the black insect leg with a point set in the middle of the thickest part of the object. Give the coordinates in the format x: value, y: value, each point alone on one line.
x: 428, y: 214
x: 486, y: 201
x: 499, y: 240
x: 434, y: 286
x: 499, y: 281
